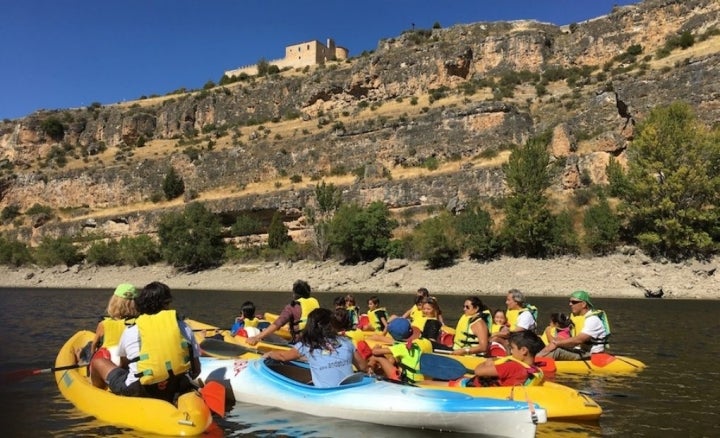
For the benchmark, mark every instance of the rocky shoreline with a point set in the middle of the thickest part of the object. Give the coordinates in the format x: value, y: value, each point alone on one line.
x: 615, y: 276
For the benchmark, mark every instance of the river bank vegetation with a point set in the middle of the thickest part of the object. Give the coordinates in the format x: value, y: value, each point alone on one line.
x: 664, y: 200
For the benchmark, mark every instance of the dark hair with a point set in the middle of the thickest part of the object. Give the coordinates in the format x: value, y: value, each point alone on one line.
x: 561, y: 319
x: 341, y: 319
x: 301, y: 289
x: 339, y: 302
x: 153, y: 298
x: 350, y: 297
x: 527, y: 339
x: 423, y: 291
x: 248, y: 309
x: 319, y: 330
x: 477, y: 302
x: 374, y: 299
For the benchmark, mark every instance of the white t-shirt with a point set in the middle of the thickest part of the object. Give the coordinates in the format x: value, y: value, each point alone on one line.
x: 526, y: 321
x: 130, y: 347
x: 594, y: 328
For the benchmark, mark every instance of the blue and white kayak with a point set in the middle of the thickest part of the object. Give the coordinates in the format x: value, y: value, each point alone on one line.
x: 288, y: 386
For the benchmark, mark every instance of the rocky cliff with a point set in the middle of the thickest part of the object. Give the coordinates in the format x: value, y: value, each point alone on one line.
x: 425, y: 120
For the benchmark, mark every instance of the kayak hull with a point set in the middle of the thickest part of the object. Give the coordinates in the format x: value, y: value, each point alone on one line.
x: 561, y: 402
x: 371, y: 400
x: 191, y: 416
x: 605, y: 364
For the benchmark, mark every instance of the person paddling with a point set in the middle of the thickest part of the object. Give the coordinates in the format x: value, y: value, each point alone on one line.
x: 293, y: 314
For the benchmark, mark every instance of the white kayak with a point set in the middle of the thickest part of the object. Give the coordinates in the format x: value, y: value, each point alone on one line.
x: 286, y: 385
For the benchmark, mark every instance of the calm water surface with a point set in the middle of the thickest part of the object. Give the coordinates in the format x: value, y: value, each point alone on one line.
x: 678, y: 395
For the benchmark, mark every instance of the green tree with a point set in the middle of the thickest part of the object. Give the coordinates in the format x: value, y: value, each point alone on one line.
x: 173, y: 185
x: 529, y: 225
x: 602, y: 228
x: 191, y: 240
x: 474, y: 226
x: 14, y: 252
x: 277, y: 232
x: 138, y: 251
x: 53, y: 252
x: 245, y: 226
x: 103, y: 253
x: 436, y: 241
x: 262, y: 67
x: 671, y: 202
x: 361, y: 233
x: 328, y: 199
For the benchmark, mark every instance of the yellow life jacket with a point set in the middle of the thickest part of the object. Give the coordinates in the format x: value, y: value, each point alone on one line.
x: 464, y: 336
x: 416, y: 313
x: 113, y: 329
x: 251, y: 322
x: 307, y: 305
x: 495, y: 328
x: 375, y: 316
x: 513, y: 315
x: 163, y: 348
x: 535, y: 374
x: 410, y: 358
x: 579, y: 324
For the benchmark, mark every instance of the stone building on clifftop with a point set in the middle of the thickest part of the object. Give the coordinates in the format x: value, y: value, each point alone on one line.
x: 300, y: 55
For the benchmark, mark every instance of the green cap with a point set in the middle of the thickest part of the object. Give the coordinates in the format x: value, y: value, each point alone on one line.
x: 125, y: 290
x: 582, y: 296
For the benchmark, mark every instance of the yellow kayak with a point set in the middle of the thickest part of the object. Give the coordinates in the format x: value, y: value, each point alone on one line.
x: 190, y: 417
x: 203, y: 331
x: 561, y: 402
x: 599, y: 363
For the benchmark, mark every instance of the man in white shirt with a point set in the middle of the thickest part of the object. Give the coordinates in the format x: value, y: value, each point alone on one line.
x: 588, y: 340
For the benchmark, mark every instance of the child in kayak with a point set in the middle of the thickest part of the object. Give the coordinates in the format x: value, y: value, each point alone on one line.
x: 331, y: 357
x: 559, y: 328
x: 121, y: 313
x: 401, y: 360
x: 517, y: 369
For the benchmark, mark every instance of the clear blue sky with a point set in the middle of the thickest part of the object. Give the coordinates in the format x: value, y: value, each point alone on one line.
x: 62, y: 54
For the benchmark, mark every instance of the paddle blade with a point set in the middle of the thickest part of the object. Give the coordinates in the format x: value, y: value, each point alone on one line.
x: 441, y: 367
x: 213, y: 393
x: 601, y: 359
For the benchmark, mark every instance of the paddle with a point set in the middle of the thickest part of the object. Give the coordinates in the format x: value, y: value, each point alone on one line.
x: 441, y: 367
x: 217, y: 347
x: 15, y: 376
x: 603, y: 359
x: 213, y: 393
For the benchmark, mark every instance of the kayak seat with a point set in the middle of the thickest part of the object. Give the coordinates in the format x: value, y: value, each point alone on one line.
x: 353, y: 378
x: 293, y: 372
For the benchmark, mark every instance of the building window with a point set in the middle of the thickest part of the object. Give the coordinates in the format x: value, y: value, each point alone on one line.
x: 308, y: 46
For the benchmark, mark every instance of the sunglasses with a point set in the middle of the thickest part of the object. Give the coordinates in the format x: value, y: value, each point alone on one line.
x: 465, y: 306
x: 575, y: 302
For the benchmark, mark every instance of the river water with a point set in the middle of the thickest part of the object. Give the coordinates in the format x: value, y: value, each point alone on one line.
x: 677, y: 395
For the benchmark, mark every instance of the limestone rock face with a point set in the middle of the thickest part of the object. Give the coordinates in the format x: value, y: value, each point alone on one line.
x: 447, y: 96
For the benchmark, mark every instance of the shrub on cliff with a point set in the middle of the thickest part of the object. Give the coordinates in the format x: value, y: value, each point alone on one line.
x: 173, y: 185
x: 191, y: 240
